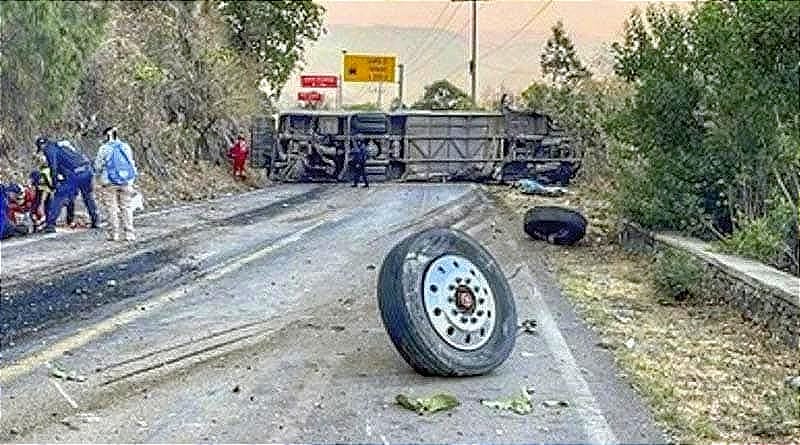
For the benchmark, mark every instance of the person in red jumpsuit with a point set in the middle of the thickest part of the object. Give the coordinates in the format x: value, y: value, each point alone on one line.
x: 238, y: 153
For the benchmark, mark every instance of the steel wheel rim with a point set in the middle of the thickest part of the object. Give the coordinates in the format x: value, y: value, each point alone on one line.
x: 445, y: 288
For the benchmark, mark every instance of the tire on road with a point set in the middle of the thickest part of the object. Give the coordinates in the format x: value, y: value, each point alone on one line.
x: 555, y: 225
x: 434, y: 331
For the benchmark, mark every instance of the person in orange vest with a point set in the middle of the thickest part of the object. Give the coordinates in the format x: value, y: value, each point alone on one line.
x: 238, y: 153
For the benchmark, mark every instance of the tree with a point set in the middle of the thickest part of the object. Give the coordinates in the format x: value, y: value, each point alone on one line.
x: 443, y: 95
x: 560, y: 61
x: 44, y: 48
x: 713, y: 129
x: 633, y: 51
x: 274, y: 34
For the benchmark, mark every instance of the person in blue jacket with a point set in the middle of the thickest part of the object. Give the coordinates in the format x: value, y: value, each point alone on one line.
x: 8, y: 228
x: 72, y: 172
x: 358, y: 160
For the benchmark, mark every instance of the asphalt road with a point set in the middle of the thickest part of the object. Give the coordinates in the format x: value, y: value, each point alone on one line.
x: 253, y: 318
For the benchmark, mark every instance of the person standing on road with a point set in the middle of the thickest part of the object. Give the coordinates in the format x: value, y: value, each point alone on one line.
x: 116, y: 172
x: 238, y: 153
x: 358, y: 161
x: 72, y: 172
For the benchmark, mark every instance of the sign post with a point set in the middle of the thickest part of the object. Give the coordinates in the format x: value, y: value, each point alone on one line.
x: 368, y: 68
x: 319, y: 81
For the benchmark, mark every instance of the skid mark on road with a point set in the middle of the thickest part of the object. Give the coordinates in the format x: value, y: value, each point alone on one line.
x: 28, y: 363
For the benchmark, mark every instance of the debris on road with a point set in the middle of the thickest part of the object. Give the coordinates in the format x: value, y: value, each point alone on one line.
x: 64, y: 394
x: 428, y: 405
x: 528, y: 326
x: 555, y: 404
x: 532, y: 187
x: 521, y: 404
x: 556, y: 225
x: 59, y: 371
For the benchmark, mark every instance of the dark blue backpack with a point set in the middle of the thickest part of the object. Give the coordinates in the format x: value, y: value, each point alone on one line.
x: 119, y: 167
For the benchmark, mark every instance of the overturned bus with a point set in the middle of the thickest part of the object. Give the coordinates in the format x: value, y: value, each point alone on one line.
x: 310, y: 146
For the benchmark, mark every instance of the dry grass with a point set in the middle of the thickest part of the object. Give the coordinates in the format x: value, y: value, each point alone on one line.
x: 708, y: 374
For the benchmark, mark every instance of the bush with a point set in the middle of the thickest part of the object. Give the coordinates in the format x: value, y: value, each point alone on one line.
x: 677, y: 273
x: 713, y: 120
x: 766, y: 239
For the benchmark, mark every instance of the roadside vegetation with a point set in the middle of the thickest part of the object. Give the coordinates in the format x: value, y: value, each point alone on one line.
x: 706, y: 372
x: 698, y: 131
x: 179, y: 79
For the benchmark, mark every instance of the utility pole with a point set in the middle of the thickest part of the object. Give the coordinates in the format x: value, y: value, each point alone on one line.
x: 400, y: 84
x: 339, y: 90
x: 473, y: 64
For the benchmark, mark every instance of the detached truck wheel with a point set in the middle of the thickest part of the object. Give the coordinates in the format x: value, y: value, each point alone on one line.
x: 446, y: 304
x: 555, y: 225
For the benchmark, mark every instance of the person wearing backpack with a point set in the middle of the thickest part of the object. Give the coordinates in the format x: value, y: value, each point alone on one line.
x: 116, y: 172
x: 72, y: 172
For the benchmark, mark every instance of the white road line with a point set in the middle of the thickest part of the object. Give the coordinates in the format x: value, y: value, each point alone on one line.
x: 596, y: 427
x: 88, y: 334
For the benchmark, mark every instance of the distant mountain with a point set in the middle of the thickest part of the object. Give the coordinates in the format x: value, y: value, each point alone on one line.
x: 430, y: 55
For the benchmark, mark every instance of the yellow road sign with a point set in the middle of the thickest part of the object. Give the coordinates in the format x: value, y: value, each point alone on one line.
x: 368, y: 68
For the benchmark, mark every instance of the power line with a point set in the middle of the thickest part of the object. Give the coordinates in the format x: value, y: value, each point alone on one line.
x: 516, y: 70
x: 441, y: 32
x: 433, y: 34
x: 420, y: 66
x: 496, y: 49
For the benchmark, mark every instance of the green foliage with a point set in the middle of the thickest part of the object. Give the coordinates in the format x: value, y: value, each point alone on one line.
x: 714, y: 120
x: 764, y: 238
x: 583, y: 111
x: 443, y: 95
x: 44, y: 48
x: 677, y: 273
x: 148, y: 72
x: 560, y: 61
x: 274, y: 34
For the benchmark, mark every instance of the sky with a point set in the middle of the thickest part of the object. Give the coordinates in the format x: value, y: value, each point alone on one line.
x: 508, y: 49
x: 497, y: 19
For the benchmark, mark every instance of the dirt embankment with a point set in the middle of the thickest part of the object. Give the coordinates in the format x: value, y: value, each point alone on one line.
x: 707, y: 373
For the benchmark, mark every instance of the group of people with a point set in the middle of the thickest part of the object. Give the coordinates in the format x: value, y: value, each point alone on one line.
x: 64, y: 172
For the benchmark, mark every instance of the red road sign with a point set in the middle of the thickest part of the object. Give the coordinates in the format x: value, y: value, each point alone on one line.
x: 309, y: 96
x: 317, y: 81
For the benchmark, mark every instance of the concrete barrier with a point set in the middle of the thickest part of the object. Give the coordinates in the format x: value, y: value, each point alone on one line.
x: 762, y: 293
